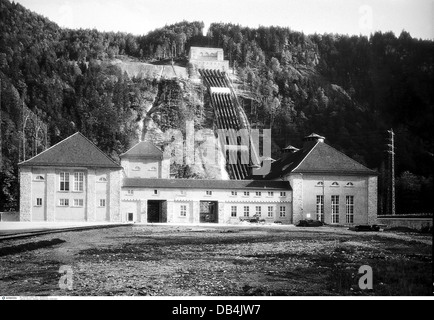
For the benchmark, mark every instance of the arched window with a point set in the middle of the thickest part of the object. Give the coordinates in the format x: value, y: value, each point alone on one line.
x: 136, y: 168
x: 153, y: 169
x: 40, y: 178
x: 102, y: 179
x: 350, y: 184
x: 335, y: 184
x: 320, y: 184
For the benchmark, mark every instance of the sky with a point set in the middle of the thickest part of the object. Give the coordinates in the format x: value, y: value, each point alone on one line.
x: 353, y: 17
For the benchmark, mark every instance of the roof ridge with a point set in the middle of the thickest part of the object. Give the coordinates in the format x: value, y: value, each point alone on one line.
x: 138, y: 143
x: 350, y: 158
x: 98, y: 148
x: 304, y: 158
x: 54, y: 145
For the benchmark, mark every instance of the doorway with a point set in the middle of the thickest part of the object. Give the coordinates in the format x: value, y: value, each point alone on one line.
x: 157, y: 211
x: 208, y: 212
x: 130, y: 217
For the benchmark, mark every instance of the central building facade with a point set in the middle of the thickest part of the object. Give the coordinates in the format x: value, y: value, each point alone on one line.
x: 149, y: 195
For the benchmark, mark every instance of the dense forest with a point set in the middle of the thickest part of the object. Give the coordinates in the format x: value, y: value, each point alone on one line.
x: 351, y: 89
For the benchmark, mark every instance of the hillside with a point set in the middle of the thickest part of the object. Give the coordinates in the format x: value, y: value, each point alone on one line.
x: 115, y: 87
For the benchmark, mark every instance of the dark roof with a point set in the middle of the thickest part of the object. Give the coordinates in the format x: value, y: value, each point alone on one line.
x: 143, y: 149
x: 74, y: 151
x: 205, y: 184
x: 317, y: 157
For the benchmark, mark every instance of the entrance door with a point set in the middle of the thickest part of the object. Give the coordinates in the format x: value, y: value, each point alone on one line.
x: 209, y: 212
x: 156, y: 211
x: 130, y: 217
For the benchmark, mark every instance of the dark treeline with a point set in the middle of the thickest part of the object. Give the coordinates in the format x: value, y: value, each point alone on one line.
x: 349, y: 89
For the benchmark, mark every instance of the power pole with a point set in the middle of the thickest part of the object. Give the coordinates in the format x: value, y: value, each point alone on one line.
x: 390, y: 205
x: 1, y: 150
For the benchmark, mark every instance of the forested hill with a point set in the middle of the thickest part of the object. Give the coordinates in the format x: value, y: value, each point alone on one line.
x: 349, y: 89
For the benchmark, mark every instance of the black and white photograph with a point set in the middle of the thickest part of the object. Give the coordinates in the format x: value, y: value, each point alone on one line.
x: 229, y: 152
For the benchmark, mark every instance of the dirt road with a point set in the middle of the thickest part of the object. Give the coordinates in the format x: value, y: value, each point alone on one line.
x: 216, y: 261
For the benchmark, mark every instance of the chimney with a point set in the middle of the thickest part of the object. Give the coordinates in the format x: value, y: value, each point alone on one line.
x: 313, y: 138
x: 289, y: 149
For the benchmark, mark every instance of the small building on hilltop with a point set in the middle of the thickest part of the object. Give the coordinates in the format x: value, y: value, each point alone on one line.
x: 208, y: 58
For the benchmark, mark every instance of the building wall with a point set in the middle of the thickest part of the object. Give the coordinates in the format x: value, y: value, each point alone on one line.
x: 214, y: 65
x: 174, y: 199
x: 203, y: 53
x: 142, y: 167
x: 25, y: 194
x: 306, y: 189
x: 43, y: 183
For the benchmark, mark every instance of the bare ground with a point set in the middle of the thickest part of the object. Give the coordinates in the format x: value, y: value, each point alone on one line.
x: 166, y: 260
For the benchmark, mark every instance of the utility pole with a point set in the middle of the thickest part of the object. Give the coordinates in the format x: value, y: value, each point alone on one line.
x: 390, y: 205
x: 1, y: 150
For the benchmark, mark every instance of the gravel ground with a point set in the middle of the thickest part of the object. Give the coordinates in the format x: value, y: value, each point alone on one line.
x: 161, y: 260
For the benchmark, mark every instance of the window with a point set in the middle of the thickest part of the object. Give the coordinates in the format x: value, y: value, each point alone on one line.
x: 39, y: 202
x: 335, y: 184
x: 233, y: 211
x: 78, y: 202
x: 209, y: 193
x: 64, y: 181
x: 246, y: 193
x: 78, y: 181
x: 183, y: 210
x: 39, y: 178
x: 335, y: 209
x: 130, y: 192
x: 320, y: 184
x: 283, y: 194
x: 270, y: 211
x: 136, y: 168
x: 153, y: 169
x: 182, y: 193
x: 270, y: 193
x: 155, y: 192
x: 282, y: 212
x: 102, y: 203
x: 246, y: 211
x: 233, y: 193
x: 350, y: 184
x: 258, y: 211
x: 102, y: 179
x: 64, y: 202
x: 320, y: 208
x: 258, y: 193
x: 349, y: 201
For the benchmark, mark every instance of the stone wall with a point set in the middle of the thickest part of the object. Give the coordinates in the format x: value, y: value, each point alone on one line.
x: 412, y: 223
x: 372, y: 200
x: 25, y: 194
x: 9, y: 216
x: 114, y: 196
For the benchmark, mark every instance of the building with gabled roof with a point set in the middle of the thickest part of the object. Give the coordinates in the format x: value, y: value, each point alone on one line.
x: 71, y: 181
x: 75, y: 181
x: 327, y: 184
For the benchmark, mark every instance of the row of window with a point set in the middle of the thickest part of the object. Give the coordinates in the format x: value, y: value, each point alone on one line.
x: 349, y: 208
x: 246, y: 211
x: 130, y: 192
x: 258, y: 211
x: 334, y: 184
x: 65, y: 202
x: 65, y: 179
x: 258, y: 193
x: 138, y: 169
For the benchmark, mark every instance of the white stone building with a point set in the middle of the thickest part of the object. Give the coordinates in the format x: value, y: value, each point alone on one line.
x: 75, y: 181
